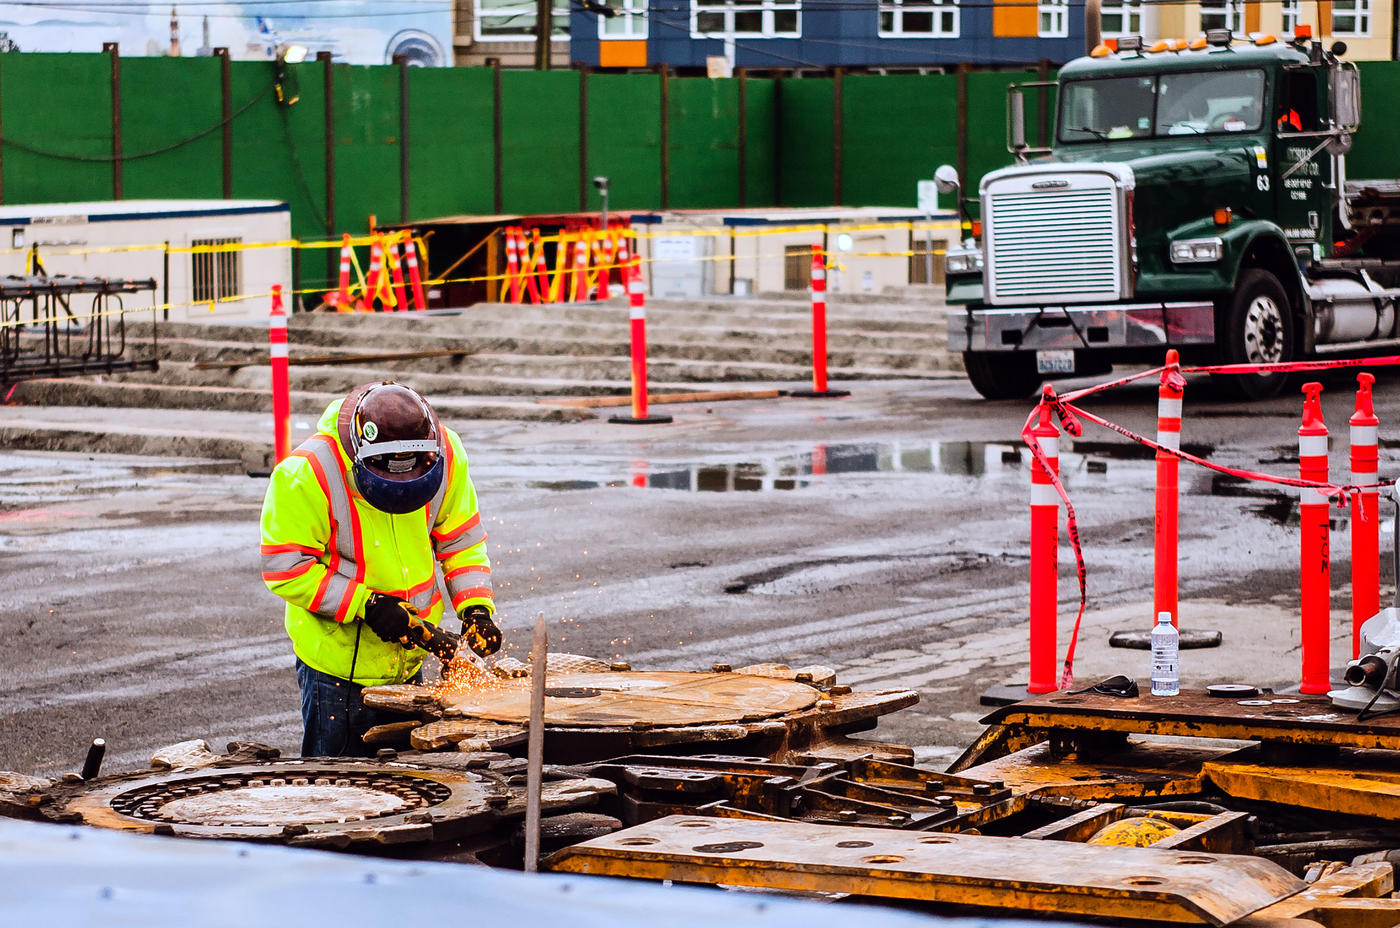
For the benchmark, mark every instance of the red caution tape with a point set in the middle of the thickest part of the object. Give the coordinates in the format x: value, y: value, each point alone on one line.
x: 1070, y: 416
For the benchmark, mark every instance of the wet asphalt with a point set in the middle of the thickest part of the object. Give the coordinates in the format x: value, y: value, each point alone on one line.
x: 883, y: 535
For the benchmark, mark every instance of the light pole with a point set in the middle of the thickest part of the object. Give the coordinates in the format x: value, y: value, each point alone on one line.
x: 602, y: 184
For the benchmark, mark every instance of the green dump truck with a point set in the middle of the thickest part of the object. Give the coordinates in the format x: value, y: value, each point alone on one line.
x: 1194, y: 197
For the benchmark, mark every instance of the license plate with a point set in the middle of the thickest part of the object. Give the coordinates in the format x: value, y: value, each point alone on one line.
x: 1060, y: 361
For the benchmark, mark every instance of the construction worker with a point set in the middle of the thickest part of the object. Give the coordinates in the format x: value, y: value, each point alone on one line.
x: 354, y: 525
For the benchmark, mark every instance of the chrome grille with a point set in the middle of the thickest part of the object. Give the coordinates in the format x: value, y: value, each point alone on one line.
x: 1059, y: 244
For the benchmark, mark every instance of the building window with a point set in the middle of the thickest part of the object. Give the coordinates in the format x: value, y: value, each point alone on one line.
x: 797, y: 267
x: 938, y: 18
x: 1292, y: 11
x: 1054, y: 18
x: 629, y: 23
x: 1351, y: 17
x: 1223, y: 14
x: 750, y: 19
x: 1123, y: 17
x: 216, y: 273
x: 514, y: 21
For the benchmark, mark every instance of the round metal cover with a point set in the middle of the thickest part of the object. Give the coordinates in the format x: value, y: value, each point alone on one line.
x: 311, y: 801
x: 1232, y: 690
x: 659, y: 698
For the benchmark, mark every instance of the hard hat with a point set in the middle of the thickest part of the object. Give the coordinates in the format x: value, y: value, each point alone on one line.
x: 395, y: 446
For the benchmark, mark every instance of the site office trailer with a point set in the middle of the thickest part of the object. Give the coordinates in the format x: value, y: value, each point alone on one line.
x: 128, y: 239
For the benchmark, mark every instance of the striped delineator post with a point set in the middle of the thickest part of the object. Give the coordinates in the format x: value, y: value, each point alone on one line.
x: 637, y: 303
x: 373, y: 280
x: 1164, y: 574
x: 1365, y: 521
x: 819, y: 387
x: 1315, y: 576
x: 415, y: 279
x: 281, y: 389
x: 515, y: 282
x: 1045, y: 565
x: 343, y: 287
x: 391, y: 257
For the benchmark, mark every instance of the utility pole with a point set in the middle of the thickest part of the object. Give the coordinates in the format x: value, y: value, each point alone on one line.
x: 544, y: 25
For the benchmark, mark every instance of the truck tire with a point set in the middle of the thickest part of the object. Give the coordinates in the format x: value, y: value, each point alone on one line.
x: 1002, y: 375
x: 1258, y: 329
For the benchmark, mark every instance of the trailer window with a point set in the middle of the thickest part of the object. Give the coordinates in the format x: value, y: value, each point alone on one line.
x: 1199, y: 103
x: 1108, y: 108
x: 216, y: 274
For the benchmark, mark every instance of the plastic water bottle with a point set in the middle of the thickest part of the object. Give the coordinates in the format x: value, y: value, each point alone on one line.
x: 1166, y: 676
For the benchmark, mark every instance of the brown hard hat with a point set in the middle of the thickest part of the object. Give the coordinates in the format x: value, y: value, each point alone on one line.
x: 390, y: 429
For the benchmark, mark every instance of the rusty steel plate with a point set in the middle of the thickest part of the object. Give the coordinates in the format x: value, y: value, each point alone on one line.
x: 657, y: 698
x: 1309, y: 720
x: 312, y: 801
x: 988, y: 872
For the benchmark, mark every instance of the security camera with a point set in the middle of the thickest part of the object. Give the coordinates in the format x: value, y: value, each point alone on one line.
x: 600, y: 182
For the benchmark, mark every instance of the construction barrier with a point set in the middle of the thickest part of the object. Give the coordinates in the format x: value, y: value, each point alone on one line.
x: 281, y: 387
x: 1045, y: 540
x: 1365, y: 522
x: 1316, y: 493
x: 637, y: 302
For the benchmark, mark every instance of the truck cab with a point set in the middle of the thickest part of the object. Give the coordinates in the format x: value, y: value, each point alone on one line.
x: 1194, y: 197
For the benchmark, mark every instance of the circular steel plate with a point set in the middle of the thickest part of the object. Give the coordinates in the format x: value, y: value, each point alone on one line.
x: 661, y: 698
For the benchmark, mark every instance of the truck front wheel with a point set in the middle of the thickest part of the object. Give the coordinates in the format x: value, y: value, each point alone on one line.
x: 1258, y: 330
x: 1002, y: 375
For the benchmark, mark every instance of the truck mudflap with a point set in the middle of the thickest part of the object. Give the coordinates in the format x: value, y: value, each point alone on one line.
x: 1117, y: 325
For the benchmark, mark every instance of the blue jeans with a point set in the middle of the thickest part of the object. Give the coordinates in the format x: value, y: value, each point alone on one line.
x: 328, y: 729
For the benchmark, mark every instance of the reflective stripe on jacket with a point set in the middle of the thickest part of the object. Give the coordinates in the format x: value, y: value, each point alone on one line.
x: 325, y: 550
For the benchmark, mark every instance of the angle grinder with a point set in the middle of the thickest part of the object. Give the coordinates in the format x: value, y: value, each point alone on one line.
x: 446, y: 645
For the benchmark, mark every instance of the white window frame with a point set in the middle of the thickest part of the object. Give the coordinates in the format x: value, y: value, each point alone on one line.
x: 1290, y: 13
x: 935, y: 7
x: 1360, y: 13
x: 632, y: 14
x: 1232, y: 10
x: 730, y: 7
x: 1130, y: 12
x: 481, y: 11
x: 1052, y: 19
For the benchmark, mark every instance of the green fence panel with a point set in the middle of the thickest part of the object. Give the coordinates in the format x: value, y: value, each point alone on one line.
x: 1376, y: 152
x: 896, y: 130
x: 761, y: 131
x: 56, y: 119
x: 624, y: 139
x: 367, y: 149
x: 451, y: 134
x: 986, y: 124
x: 279, y: 150
x: 704, y: 143
x: 172, y: 141
x: 805, y: 141
x: 540, y: 144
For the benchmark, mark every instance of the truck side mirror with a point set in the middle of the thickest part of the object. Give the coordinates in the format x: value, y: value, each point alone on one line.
x: 1016, y: 120
x: 946, y: 178
x: 1346, y: 98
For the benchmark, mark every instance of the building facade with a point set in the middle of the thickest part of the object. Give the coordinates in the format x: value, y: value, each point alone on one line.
x: 717, y: 36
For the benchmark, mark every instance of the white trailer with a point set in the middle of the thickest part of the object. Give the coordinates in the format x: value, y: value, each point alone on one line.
x: 138, y: 239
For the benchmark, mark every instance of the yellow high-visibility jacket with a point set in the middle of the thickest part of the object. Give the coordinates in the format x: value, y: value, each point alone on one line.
x: 325, y: 550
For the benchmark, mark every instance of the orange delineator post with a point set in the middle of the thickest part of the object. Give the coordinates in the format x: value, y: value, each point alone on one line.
x: 1045, y: 566
x: 637, y: 300
x: 376, y: 271
x: 1365, y: 523
x: 578, y: 280
x: 1315, y: 579
x: 281, y: 388
x: 396, y: 269
x: 532, y: 265
x: 515, y: 288
x: 343, y: 290
x: 818, y: 320
x: 415, y: 279
x: 1164, y: 575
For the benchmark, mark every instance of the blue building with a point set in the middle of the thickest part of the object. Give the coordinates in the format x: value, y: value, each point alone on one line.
x: 716, y: 36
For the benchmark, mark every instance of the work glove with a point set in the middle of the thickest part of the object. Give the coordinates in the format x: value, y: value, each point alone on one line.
x: 388, y: 616
x: 480, y: 633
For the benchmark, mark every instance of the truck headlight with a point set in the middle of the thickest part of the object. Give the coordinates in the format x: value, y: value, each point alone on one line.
x: 1197, y: 251
x: 962, y: 261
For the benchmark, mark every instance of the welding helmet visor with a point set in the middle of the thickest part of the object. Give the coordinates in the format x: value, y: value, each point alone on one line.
x: 395, y: 446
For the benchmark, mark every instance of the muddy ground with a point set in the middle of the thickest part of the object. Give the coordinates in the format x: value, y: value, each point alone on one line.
x: 132, y: 607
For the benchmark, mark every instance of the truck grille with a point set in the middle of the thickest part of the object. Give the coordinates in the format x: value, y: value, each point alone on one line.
x: 1063, y: 244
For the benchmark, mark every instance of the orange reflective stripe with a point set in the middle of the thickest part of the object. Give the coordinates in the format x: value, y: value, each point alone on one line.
x: 466, y: 526
x: 320, y: 474
x: 288, y: 549
x: 274, y: 576
x: 476, y: 592
x: 470, y: 568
